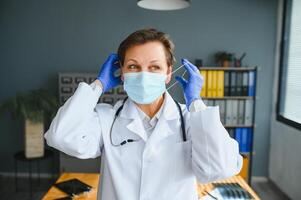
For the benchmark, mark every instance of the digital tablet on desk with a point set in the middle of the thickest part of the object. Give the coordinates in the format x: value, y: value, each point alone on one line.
x: 73, y: 187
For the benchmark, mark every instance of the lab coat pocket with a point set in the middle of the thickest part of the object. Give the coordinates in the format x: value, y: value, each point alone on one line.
x: 131, y: 154
x: 182, y: 161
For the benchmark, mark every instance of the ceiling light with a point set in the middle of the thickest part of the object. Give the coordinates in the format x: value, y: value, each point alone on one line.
x: 163, y: 4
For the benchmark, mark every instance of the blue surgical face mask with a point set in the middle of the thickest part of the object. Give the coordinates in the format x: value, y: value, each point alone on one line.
x: 144, y: 87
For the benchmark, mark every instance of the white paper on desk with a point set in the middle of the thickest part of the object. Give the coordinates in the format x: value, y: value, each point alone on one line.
x: 218, y: 195
x: 214, y: 193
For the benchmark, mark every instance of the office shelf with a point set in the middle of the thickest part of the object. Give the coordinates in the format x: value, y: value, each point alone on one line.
x: 216, y: 97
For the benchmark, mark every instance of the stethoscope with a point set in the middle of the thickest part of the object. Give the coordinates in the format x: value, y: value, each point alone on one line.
x: 135, y: 140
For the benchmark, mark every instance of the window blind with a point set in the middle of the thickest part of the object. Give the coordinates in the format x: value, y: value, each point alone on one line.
x: 291, y: 95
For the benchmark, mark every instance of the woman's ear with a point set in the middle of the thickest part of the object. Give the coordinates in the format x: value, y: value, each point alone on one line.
x: 169, y: 71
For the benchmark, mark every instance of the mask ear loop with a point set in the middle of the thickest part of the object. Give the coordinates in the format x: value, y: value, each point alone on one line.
x: 181, y: 76
x: 177, y: 69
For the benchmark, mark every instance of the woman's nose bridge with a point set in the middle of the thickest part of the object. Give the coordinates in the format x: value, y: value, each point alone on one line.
x: 144, y: 67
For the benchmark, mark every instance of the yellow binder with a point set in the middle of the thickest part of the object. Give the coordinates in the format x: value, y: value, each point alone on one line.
x: 220, y: 83
x: 204, y: 88
x: 209, y: 83
x: 214, y: 83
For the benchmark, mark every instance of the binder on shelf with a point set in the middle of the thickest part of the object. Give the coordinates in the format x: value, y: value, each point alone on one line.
x: 251, y: 88
x: 229, y: 112
x: 246, y: 139
x: 248, y: 112
x: 244, y: 136
x: 245, y: 80
x: 204, y: 88
x: 239, y: 80
x: 226, y: 83
x: 220, y: 83
x: 233, y: 84
x: 234, y: 113
x: 209, y: 83
x: 241, y: 111
x: 214, y: 83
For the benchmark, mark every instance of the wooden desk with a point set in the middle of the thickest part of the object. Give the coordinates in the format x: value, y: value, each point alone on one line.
x: 92, y: 179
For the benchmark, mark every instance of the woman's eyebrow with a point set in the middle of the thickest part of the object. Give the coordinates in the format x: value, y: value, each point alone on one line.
x: 131, y: 60
x: 153, y: 61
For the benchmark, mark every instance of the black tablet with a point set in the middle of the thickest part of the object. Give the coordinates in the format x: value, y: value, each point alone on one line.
x: 73, y: 187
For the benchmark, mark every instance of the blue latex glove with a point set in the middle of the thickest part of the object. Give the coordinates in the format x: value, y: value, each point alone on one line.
x: 106, y: 74
x: 193, y: 86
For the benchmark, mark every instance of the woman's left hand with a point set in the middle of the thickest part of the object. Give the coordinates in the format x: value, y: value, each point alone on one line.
x: 193, y: 86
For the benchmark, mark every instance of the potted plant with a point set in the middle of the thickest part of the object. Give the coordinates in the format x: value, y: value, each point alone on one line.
x: 32, y: 107
x: 224, y: 59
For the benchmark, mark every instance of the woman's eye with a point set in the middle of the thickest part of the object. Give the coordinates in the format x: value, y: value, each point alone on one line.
x: 155, y: 67
x: 132, y: 66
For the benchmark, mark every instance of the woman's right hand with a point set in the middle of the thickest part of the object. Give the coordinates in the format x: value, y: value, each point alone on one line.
x: 106, y: 75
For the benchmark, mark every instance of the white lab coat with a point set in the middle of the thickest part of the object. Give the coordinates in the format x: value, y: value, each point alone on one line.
x: 159, y: 167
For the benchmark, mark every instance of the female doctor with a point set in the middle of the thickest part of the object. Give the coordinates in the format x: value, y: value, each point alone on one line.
x: 151, y: 146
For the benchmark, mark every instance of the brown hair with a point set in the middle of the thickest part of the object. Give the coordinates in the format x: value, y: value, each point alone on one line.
x: 146, y: 35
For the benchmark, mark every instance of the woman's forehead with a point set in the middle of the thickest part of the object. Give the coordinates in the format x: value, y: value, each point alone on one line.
x: 148, y: 52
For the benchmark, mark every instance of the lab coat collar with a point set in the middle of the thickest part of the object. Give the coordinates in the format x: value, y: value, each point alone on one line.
x: 130, y: 112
